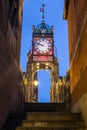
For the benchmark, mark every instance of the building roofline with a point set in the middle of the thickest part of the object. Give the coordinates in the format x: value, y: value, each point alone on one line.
x: 66, y: 7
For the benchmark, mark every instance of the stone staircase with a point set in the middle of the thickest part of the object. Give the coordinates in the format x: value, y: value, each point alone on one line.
x: 44, y: 116
x: 44, y: 107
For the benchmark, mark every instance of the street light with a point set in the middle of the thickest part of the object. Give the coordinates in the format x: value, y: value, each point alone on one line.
x: 25, y: 81
x: 35, y: 82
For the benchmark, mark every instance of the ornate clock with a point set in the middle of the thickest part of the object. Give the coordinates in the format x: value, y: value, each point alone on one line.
x: 43, y: 49
x: 43, y: 45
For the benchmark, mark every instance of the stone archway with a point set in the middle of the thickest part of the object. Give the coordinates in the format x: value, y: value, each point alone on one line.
x: 43, y: 86
x: 31, y: 75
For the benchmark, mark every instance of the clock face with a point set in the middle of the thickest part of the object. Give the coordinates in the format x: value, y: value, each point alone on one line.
x: 42, y: 45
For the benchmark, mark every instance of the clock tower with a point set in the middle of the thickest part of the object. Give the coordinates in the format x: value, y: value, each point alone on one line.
x: 41, y: 56
x: 43, y: 43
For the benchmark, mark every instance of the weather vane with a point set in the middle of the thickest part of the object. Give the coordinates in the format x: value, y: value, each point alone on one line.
x: 43, y: 11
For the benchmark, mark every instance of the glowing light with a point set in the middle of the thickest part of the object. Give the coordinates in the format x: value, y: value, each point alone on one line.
x: 35, y: 82
x: 46, y: 67
x: 46, y: 64
x: 37, y: 64
x: 25, y: 81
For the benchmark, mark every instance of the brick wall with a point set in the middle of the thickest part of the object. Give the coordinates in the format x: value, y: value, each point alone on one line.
x: 77, y: 28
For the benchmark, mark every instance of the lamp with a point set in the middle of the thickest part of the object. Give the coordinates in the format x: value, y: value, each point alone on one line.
x: 35, y: 82
x: 25, y: 81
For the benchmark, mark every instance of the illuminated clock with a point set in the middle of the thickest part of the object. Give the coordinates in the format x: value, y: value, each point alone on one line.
x: 43, y: 45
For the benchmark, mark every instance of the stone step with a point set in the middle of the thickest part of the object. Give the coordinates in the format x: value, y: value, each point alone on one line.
x: 53, y: 116
x: 42, y: 128
x: 52, y: 123
x: 44, y: 116
x: 44, y: 107
x: 67, y: 127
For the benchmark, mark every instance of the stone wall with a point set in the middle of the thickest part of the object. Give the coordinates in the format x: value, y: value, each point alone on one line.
x: 76, y: 19
x: 77, y: 30
x: 81, y: 106
x: 10, y: 75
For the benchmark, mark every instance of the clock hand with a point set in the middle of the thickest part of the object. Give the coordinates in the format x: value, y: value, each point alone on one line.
x: 40, y: 44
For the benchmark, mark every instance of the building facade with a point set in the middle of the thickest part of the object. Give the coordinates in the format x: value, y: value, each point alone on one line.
x: 10, y: 74
x: 42, y: 56
x: 75, y: 12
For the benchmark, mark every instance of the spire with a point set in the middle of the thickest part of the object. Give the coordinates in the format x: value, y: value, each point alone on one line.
x: 43, y: 11
x: 43, y: 27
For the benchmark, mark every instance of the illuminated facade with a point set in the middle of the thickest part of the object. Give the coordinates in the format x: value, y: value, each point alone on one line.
x: 75, y: 12
x: 42, y: 56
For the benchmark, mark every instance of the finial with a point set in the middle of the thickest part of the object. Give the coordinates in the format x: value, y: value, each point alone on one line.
x: 42, y: 10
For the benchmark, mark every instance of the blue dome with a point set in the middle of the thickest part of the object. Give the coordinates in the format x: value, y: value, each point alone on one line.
x: 42, y: 28
x: 43, y: 25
